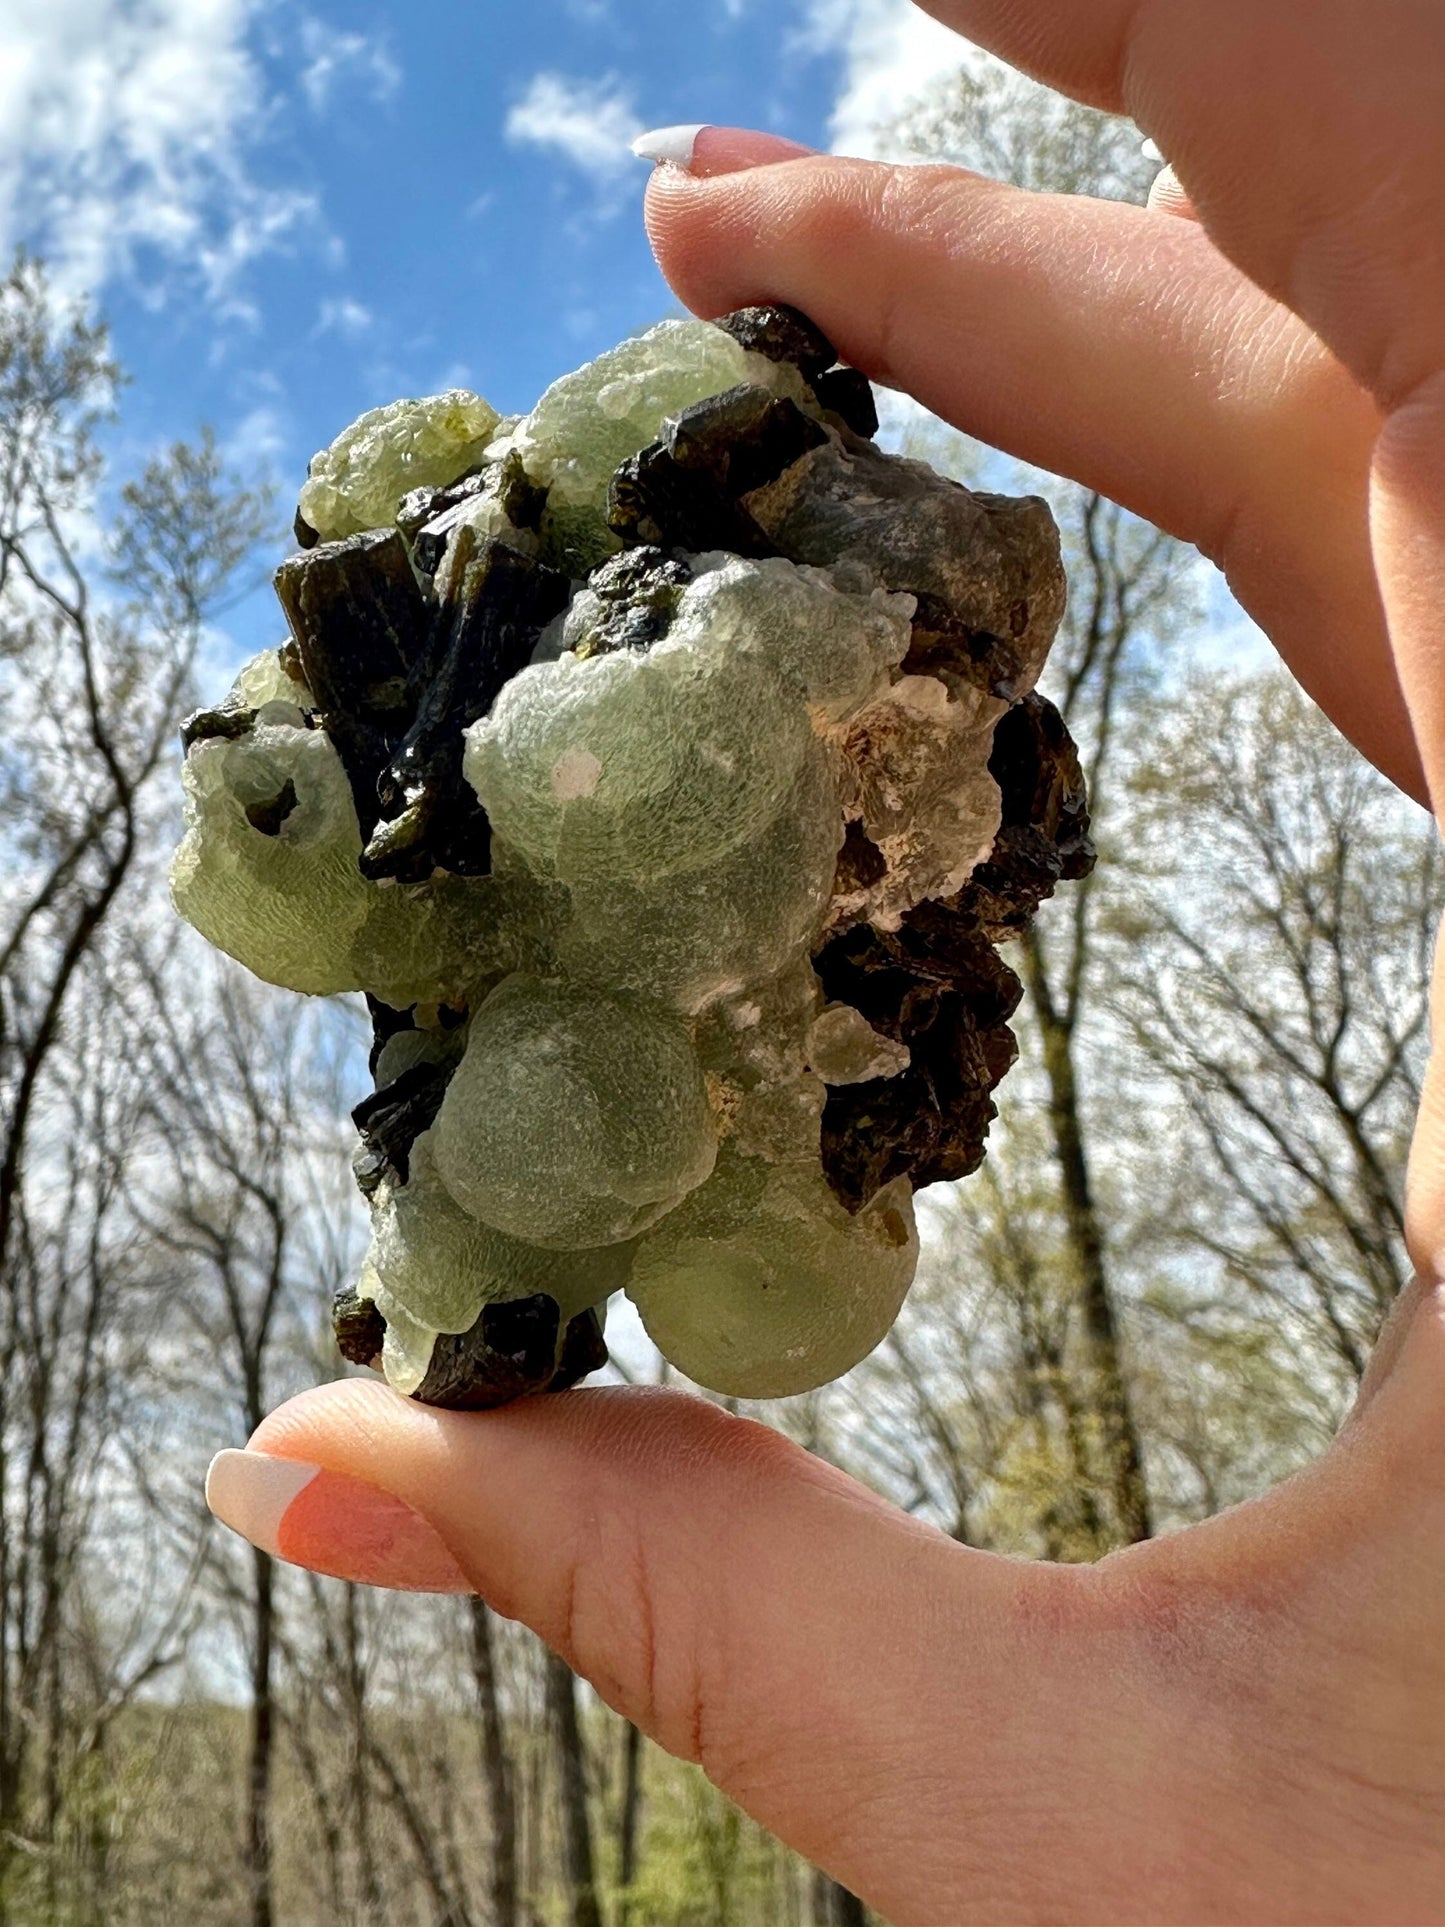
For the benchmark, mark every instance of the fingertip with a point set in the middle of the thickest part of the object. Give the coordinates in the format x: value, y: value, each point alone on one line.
x: 1168, y: 196
x: 729, y: 236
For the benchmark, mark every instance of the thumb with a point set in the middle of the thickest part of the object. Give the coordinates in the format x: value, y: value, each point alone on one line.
x: 750, y: 1608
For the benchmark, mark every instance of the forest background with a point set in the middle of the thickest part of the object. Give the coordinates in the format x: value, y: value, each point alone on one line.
x: 1155, y: 1300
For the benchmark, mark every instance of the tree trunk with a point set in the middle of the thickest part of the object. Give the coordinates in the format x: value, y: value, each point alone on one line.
x: 628, y: 1817
x: 451, y: 1907
x: 834, y: 1906
x: 533, y: 1835
x: 1120, y: 1435
x: 583, y: 1907
x: 258, y: 1827
x: 373, y: 1908
x: 496, y: 1771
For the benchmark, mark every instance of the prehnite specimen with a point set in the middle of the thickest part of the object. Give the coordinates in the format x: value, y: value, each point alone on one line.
x: 664, y: 766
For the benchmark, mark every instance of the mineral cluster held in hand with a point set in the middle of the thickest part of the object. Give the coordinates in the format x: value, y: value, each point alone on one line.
x: 665, y: 768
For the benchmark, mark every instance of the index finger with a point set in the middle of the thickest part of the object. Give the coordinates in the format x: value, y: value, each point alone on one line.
x: 1309, y: 134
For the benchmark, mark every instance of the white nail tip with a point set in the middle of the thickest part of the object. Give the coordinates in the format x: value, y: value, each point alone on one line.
x: 250, y: 1491
x: 1150, y: 151
x: 669, y: 146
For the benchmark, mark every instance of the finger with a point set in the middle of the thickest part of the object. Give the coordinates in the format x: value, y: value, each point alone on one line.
x: 1311, y: 134
x: 1167, y: 196
x: 1095, y: 340
x: 749, y: 1607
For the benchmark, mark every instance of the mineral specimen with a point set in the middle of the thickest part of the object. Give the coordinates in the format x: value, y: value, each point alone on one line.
x: 665, y: 767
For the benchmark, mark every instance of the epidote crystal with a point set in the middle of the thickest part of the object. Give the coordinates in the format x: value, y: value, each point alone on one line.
x: 665, y: 768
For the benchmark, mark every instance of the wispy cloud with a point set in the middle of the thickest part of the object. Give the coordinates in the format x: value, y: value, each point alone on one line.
x: 337, y: 60
x: 124, y: 138
x: 343, y: 316
x: 590, y: 124
x: 259, y: 440
x: 891, y: 54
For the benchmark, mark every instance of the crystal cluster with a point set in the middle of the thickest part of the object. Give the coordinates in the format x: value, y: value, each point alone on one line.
x: 664, y: 766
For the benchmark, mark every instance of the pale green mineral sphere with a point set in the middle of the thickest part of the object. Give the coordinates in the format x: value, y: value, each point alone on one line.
x: 574, y: 1119
x: 287, y: 904
x: 357, y: 482
x: 833, y: 647
x: 689, y: 939
x: 445, y: 1266
x: 762, y: 1285
x: 634, y: 766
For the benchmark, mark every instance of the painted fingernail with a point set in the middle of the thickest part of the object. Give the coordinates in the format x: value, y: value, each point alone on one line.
x: 703, y: 151
x: 330, y: 1523
x: 669, y: 146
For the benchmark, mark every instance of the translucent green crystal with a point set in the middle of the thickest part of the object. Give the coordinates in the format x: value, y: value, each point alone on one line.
x: 691, y: 937
x: 287, y: 903
x: 763, y: 1285
x: 631, y: 767
x: 357, y: 483
x: 589, y: 421
x: 444, y: 1265
x: 575, y: 1118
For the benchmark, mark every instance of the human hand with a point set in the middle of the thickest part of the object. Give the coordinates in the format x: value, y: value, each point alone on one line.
x: 1247, y: 1720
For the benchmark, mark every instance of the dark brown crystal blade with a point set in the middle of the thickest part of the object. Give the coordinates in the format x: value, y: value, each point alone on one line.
x: 361, y: 625
x: 484, y: 635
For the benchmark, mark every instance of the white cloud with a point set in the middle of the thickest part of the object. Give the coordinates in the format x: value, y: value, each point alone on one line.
x: 335, y: 59
x: 891, y: 53
x: 590, y: 123
x: 123, y: 136
x: 343, y: 316
x: 259, y: 440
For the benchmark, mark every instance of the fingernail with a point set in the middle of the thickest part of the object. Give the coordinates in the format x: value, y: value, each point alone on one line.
x: 330, y: 1523
x: 703, y: 151
x: 669, y: 146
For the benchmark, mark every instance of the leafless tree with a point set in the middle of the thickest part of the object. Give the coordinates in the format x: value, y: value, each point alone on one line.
x: 99, y: 622
x: 570, y: 1758
x: 244, y: 1109
x: 629, y: 1816
x: 1130, y: 584
x: 497, y: 1770
x: 1278, y: 990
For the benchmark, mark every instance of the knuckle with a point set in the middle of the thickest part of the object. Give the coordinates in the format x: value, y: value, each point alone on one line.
x: 638, y: 1645
x: 637, y: 1620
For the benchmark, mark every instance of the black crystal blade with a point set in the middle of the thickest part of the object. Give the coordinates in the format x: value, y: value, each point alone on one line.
x: 484, y: 635
x: 361, y: 625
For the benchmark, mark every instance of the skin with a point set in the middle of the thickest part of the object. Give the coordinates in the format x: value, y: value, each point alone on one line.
x: 1245, y: 1721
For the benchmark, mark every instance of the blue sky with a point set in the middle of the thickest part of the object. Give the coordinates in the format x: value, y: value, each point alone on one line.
x: 295, y: 211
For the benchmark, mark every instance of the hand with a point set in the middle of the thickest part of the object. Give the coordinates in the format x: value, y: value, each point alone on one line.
x: 1247, y: 1720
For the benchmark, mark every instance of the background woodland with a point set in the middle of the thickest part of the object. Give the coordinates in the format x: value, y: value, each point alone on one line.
x: 1155, y: 1300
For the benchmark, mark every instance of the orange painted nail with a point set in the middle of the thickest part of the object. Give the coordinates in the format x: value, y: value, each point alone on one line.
x: 330, y: 1523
